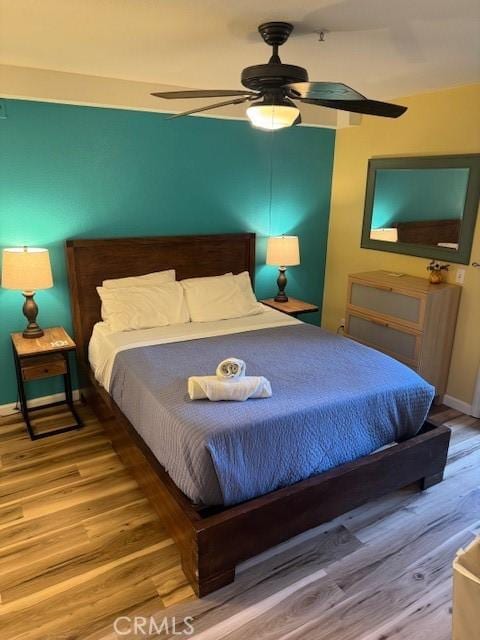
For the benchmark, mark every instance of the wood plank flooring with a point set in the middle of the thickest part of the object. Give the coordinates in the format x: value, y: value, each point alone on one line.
x: 80, y: 547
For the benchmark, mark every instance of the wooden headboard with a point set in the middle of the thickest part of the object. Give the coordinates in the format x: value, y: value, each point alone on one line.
x: 90, y: 262
x: 429, y: 232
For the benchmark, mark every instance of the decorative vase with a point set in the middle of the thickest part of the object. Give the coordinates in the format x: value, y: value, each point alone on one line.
x: 436, y: 276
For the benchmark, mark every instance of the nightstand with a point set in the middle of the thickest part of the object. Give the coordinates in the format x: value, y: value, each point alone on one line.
x: 37, y: 358
x: 292, y: 307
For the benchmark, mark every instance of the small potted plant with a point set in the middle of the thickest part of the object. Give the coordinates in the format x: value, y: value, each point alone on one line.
x: 436, y: 269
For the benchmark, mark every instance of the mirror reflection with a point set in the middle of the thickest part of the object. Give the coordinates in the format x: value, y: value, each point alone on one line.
x: 420, y: 206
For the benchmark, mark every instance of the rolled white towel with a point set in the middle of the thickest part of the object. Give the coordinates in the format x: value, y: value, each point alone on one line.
x: 201, y: 387
x: 232, y: 369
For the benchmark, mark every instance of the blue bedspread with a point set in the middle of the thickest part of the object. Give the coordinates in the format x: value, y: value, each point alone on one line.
x: 333, y: 401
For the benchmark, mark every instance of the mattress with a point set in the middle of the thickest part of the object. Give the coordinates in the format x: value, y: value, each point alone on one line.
x: 333, y: 401
x: 104, y: 344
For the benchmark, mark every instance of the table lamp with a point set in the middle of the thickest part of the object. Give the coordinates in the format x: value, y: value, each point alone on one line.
x: 387, y: 234
x: 283, y: 252
x: 27, y: 269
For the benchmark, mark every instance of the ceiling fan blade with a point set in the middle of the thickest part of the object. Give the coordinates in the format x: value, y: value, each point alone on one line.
x: 207, y: 93
x: 367, y: 107
x: 322, y: 91
x: 210, y: 106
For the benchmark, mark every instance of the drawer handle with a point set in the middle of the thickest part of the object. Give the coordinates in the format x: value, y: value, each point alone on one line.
x: 372, y: 285
x: 379, y: 322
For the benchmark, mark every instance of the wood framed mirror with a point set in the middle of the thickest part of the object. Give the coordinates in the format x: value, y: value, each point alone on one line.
x: 422, y: 206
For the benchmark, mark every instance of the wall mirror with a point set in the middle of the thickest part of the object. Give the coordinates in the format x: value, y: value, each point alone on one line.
x: 422, y: 206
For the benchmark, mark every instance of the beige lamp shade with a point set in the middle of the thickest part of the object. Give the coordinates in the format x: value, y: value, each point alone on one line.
x: 26, y: 269
x: 283, y: 251
x: 387, y: 234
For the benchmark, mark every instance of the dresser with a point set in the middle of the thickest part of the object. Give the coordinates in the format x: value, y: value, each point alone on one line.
x: 407, y: 318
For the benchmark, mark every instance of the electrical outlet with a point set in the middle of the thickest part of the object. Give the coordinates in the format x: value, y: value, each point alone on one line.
x: 3, y: 110
x: 460, y: 276
x: 342, y: 322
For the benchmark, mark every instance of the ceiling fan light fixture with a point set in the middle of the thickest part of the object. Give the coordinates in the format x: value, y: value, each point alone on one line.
x: 271, y: 117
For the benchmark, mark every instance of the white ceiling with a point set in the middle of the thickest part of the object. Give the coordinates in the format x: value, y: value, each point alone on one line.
x: 383, y: 48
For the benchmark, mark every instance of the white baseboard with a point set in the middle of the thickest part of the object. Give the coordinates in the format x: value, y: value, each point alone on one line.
x: 458, y: 405
x: 9, y: 409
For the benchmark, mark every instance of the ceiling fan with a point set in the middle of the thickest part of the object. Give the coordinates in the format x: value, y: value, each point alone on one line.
x: 272, y: 88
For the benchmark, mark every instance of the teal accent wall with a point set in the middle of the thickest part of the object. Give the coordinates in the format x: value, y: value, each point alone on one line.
x: 71, y: 171
x: 414, y: 195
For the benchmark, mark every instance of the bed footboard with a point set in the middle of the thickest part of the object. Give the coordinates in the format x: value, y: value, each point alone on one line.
x: 430, y: 481
x: 242, y: 531
x: 212, y: 544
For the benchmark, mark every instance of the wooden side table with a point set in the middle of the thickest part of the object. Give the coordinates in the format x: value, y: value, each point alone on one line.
x: 292, y: 307
x: 43, y: 358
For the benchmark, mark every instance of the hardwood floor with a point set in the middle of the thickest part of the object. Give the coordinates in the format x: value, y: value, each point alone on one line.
x: 80, y: 547
x: 79, y: 544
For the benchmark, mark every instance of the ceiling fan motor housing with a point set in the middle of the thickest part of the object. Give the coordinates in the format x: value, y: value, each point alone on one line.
x: 272, y: 76
x: 275, y: 33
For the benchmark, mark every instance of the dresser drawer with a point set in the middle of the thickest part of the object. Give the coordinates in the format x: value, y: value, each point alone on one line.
x: 399, y: 342
x: 43, y: 366
x: 384, y: 301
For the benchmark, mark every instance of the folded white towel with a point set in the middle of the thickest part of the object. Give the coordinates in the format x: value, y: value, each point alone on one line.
x: 201, y: 387
x: 231, y: 369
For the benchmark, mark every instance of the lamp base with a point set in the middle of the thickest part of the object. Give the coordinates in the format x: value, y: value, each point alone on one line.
x: 30, y: 311
x: 33, y: 332
x: 281, y: 283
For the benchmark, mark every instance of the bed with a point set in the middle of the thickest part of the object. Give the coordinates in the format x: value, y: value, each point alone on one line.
x: 224, y: 504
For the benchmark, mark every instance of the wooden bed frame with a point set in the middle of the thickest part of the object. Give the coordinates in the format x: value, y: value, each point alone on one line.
x: 212, y: 541
x: 429, y: 232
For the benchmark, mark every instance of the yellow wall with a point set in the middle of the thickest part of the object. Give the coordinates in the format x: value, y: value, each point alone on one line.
x: 444, y: 122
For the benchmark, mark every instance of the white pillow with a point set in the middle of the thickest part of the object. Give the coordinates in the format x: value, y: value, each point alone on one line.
x: 245, y: 284
x: 156, y: 278
x: 128, y: 308
x: 217, y: 298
